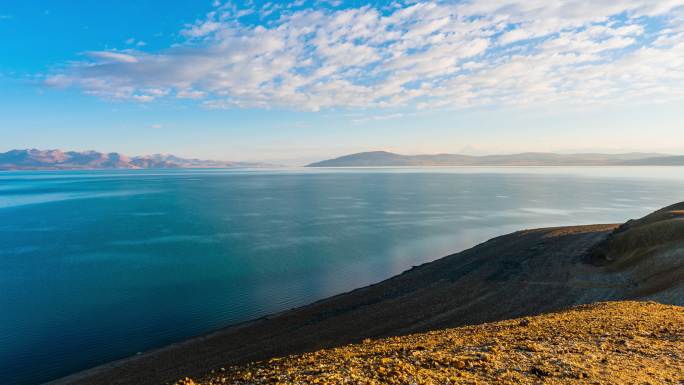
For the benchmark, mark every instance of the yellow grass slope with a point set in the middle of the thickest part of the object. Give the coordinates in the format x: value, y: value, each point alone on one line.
x: 606, y: 343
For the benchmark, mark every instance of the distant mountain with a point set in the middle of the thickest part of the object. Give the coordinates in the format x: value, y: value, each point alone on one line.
x: 388, y: 159
x: 658, y: 161
x: 32, y: 159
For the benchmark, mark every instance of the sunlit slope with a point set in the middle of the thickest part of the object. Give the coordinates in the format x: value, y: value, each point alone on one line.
x: 605, y: 343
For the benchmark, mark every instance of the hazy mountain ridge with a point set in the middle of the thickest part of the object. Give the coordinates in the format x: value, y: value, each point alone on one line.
x: 388, y: 159
x: 33, y: 159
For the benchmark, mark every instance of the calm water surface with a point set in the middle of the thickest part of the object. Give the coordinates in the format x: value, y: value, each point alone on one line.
x: 96, y: 266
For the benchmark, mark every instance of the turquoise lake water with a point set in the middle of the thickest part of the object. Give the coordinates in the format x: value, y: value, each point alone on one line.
x: 100, y: 265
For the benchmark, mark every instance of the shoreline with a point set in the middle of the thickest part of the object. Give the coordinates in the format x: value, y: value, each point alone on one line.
x: 205, y: 336
x: 521, y: 274
x: 211, y: 343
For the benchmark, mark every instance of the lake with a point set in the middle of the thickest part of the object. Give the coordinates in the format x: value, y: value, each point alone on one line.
x: 100, y: 265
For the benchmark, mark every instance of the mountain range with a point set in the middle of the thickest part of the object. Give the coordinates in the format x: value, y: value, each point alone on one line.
x: 33, y: 159
x: 388, y: 159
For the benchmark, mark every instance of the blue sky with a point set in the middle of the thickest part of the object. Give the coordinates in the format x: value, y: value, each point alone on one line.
x: 304, y: 80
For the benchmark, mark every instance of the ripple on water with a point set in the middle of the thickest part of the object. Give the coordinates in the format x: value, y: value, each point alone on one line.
x: 7, y: 201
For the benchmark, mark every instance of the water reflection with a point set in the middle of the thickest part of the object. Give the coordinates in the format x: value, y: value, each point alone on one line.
x: 95, y: 266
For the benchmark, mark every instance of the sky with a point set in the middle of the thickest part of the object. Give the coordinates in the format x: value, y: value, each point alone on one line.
x: 298, y: 81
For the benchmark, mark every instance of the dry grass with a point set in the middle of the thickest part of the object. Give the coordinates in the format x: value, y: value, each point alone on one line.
x: 606, y: 343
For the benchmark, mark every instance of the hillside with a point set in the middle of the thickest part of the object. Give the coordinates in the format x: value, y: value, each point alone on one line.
x: 32, y: 159
x: 657, y: 161
x: 605, y: 343
x: 388, y: 159
x: 516, y: 275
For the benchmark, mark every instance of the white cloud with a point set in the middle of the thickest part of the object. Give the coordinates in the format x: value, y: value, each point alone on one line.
x: 190, y: 94
x: 113, y: 56
x: 201, y: 28
x: 422, y: 55
x: 133, y: 41
x: 373, y: 118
